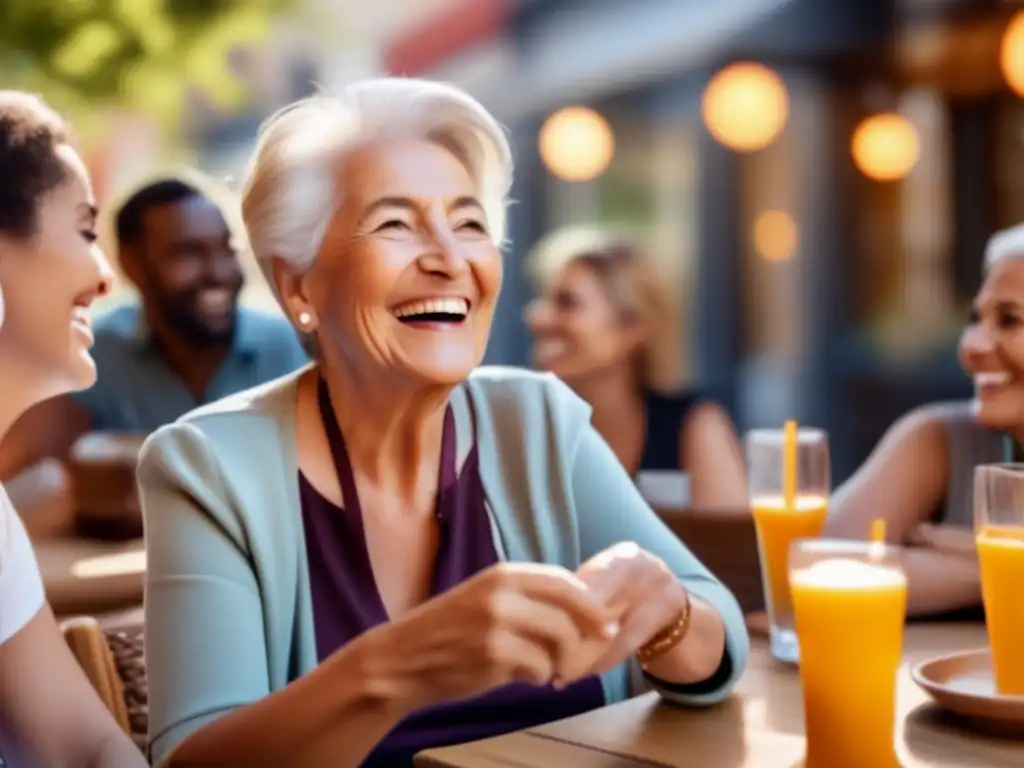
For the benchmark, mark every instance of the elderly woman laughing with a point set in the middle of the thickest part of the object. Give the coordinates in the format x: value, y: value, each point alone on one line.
x: 394, y: 549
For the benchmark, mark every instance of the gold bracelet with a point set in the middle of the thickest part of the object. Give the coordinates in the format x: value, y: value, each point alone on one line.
x: 668, y: 638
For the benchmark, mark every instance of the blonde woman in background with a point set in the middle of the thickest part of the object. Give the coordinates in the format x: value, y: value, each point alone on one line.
x: 605, y: 324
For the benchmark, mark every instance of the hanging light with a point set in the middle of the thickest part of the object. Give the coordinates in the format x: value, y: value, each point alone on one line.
x: 576, y: 144
x: 1011, y: 53
x: 885, y: 147
x: 775, y: 236
x: 745, y: 106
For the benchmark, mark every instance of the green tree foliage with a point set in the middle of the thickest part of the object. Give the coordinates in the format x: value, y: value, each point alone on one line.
x: 144, y: 54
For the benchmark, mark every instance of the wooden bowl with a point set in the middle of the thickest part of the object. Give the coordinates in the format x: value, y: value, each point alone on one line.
x: 102, y: 468
x: 962, y: 684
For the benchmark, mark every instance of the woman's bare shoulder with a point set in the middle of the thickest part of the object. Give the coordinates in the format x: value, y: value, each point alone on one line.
x: 927, y: 425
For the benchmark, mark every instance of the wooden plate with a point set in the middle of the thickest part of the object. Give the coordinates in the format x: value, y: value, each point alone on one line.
x: 962, y: 683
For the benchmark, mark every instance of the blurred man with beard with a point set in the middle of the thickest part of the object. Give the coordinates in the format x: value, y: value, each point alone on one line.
x: 184, y: 343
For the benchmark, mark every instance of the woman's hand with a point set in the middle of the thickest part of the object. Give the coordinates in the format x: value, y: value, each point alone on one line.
x: 953, y: 540
x: 639, y: 591
x: 513, y: 622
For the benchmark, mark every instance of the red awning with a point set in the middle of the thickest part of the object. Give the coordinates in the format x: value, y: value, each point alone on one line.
x: 461, y: 25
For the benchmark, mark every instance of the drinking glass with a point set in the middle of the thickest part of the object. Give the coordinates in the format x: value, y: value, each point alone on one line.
x: 849, y: 606
x: 780, y: 521
x: 999, y: 526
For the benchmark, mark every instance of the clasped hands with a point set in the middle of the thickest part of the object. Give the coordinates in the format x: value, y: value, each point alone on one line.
x: 642, y: 596
x: 525, y: 622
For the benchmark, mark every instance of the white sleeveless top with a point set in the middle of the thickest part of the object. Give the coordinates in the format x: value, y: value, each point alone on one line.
x: 21, y: 586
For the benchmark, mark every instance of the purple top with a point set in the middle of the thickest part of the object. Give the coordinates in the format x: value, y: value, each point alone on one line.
x: 346, y: 601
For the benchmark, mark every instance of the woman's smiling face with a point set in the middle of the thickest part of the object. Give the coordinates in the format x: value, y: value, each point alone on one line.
x: 49, y: 280
x: 578, y: 330
x: 992, y: 346
x: 408, y: 275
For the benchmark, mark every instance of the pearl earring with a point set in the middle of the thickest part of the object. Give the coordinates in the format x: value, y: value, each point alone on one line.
x: 304, y: 318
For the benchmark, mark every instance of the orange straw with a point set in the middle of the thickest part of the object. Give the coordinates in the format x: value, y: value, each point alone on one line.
x: 876, y: 549
x: 789, y: 465
x: 878, y: 531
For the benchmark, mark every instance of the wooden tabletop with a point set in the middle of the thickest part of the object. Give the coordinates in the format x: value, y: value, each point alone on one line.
x: 760, y: 726
x: 84, y: 576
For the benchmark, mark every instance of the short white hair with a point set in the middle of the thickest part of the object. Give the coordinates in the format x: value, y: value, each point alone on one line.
x: 1008, y: 242
x: 291, y: 193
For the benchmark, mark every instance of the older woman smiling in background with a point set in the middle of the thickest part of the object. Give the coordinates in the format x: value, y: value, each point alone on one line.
x: 923, y: 468
x: 391, y: 550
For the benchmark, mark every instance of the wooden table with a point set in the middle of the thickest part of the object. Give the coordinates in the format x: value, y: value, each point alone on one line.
x: 84, y: 576
x: 760, y: 726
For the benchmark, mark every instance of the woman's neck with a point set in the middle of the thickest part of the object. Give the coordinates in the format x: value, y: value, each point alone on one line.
x: 20, y: 394
x: 8, y: 415
x: 392, y: 429
x: 615, y: 398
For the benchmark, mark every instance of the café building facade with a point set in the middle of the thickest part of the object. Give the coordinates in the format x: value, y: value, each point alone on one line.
x: 819, y: 177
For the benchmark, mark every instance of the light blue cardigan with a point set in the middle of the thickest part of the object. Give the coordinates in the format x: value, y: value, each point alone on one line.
x: 228, y: 610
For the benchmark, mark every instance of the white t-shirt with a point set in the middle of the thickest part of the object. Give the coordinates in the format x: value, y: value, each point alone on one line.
x: 21, y: 586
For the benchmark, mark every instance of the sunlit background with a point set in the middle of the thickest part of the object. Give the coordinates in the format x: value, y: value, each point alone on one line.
x: 819, y: 176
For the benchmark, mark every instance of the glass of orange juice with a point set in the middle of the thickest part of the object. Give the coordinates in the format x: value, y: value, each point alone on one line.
x: 999, y: 525
x: 789, y: 492
x: 849, y: 606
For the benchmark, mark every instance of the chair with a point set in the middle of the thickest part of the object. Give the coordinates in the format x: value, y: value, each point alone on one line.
x: 115, y: 664
x: 726, y: 542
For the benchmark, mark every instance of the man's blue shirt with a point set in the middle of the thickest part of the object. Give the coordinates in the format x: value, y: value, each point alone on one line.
x: 135, y: 391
